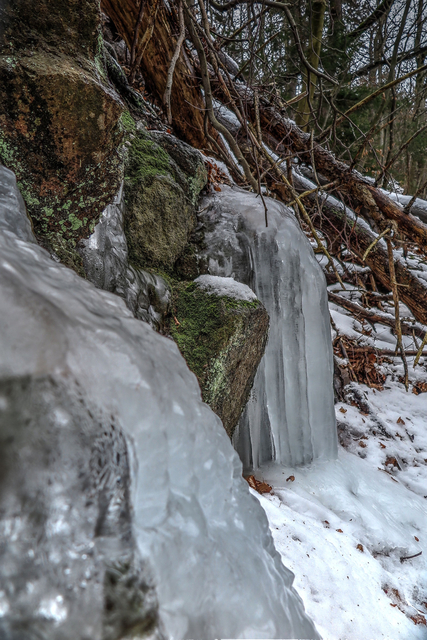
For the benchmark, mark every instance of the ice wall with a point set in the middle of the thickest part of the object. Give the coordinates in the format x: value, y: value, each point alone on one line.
x: 216, y: 571
x: 290, y: 416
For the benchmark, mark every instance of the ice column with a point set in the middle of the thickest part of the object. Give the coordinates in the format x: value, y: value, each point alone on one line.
x: 290, y: 416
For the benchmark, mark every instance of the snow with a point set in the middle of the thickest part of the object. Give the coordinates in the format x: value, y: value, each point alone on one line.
x: 216, y: 570
x: 290, y: 416
x: 319, y: 519
x: 215, y: 285
x: 226, y: 117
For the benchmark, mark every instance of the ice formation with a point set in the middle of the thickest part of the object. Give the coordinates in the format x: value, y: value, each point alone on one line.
x: 290, y: 416
x: 106, y: 263
x: 216, y: 571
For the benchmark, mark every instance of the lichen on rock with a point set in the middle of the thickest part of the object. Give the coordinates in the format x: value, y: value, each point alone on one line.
x: 163, y: 179
x: 59, y: 118
x: 222, y: 337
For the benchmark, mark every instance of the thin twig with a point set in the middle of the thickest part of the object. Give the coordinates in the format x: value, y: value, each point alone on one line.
x: 420, y: 350
x: 169, y: 81
x: 136, y: 32
x: 393, y: 283
x: 377, y: 239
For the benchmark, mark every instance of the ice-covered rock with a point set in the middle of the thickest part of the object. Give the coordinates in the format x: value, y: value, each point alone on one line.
x: 106, y: 263
x: 290, y: 416
x: 214, y: 565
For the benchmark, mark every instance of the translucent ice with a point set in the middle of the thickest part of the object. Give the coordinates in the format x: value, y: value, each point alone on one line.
x: 290, y: 417
x: 215, y: 567
x: 105, y: 259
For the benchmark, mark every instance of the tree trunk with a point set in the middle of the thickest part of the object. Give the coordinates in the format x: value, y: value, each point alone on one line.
x: 318, y: 8
x: 155, y: 53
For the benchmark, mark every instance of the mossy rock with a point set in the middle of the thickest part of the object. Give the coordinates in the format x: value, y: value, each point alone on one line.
x: 59, y: 118
x: 161, y: 192
x: 222, y: 339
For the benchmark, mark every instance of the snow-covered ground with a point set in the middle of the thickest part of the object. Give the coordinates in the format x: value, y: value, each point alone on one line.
x: 346, y: 527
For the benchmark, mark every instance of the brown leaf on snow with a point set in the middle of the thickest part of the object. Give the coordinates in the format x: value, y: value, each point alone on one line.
x: 290, y: 479
x: 258, y: 485
x: 360, y: 547
x: 343, y: 410
x: 400, y: 421
x: 339, y: 530
x: 419, y: 387
x: 391, y: 461
x: 382, y: 445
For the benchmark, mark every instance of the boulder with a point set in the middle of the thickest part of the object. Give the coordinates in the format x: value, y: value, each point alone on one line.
x: 221, y: 329
x: 59, y: 117
x: 163, y: 179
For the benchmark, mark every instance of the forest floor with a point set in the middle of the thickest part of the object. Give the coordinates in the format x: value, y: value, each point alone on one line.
x: 348, y: 528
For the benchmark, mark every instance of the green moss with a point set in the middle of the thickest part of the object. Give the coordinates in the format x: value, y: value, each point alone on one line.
x: 127, y: 123
x: 205, y: 327
x: 146, y: 160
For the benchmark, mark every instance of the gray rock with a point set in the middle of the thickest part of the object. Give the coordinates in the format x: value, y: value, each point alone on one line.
x: 163, y: 180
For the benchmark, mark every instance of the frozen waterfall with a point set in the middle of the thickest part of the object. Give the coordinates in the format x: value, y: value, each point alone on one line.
x: 216, y: 571
x: 290, y: 417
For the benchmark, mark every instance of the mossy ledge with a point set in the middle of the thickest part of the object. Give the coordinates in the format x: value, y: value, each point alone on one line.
x: 222, y: 340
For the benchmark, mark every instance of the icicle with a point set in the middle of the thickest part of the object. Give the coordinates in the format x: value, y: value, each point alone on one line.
x: 290, y: 417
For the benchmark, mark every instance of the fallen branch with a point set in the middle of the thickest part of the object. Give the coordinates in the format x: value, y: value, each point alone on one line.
x: 393, y: 282
x: 373, y: 317
x: 416, y: 555
x: 169, y: 81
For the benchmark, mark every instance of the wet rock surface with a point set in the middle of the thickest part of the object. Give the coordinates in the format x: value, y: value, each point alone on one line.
x: 163, y: 179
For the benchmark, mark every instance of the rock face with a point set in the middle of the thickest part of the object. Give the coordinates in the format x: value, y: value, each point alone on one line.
x: 59, y: 117
x: 162, y: 182
x: 221, y: 329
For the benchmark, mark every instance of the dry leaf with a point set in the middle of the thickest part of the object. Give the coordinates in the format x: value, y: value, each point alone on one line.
x: 382, y: 445
x: 362, y: 444
x: 400, y: 421
x: 391, y: 461
x: 290, y: 479
x: 258, y: 485
x: 343, y: 410
x: 360, y: 547
x: 339, y: 530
